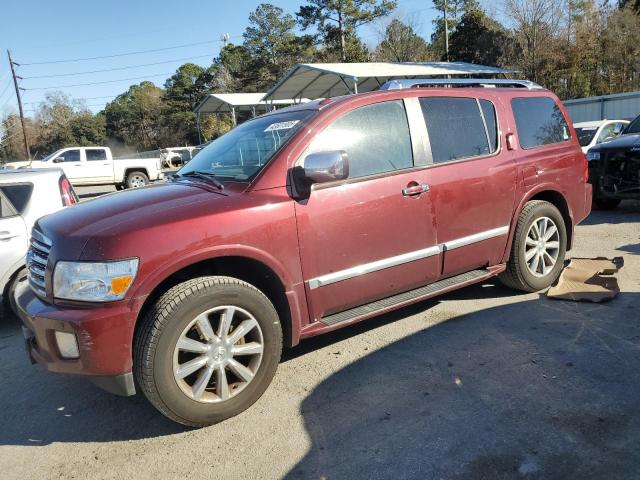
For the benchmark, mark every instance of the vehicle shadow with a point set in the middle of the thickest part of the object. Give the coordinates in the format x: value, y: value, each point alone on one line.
x: 632, y: 248
x: 627, y: 212
x: 40, y: 408
x: 539, y: 389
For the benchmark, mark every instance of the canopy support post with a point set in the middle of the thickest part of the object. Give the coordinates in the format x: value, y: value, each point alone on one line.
x: 234, y: 119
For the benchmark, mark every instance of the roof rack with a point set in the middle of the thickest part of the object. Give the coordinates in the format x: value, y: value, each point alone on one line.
x: 459, y: 82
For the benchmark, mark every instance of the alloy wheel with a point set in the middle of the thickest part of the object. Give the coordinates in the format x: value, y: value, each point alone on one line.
x: 542, y: 245
x: 218, y: 354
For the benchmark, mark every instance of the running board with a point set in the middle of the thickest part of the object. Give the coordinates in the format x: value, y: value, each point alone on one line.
x: 401, y: 298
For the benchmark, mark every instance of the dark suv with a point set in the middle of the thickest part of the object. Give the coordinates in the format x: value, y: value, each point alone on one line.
x: 299, y: 222
x: 614, y: 168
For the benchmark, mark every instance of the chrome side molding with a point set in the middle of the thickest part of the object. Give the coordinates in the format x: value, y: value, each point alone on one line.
x: 365, y: 268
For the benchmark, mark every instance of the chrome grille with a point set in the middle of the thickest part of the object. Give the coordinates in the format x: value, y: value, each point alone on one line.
x: 37, y: 259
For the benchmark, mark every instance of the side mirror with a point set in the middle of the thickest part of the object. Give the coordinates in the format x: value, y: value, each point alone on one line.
x: 617, y: 130
x: 323, y: 167
x: 58, y: 160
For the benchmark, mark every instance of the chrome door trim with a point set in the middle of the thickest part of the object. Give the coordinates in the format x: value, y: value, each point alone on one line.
x: 365, y: 268
x: 372, y: 267
x: 476, y: 237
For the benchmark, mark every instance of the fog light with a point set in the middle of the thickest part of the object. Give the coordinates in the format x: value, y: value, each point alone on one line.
x: 67, y: 345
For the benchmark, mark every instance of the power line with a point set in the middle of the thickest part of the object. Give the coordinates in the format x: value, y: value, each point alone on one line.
x: 81, y: 98
x: 116, y: 68
x: 99, y: 83
x: 73, y: 60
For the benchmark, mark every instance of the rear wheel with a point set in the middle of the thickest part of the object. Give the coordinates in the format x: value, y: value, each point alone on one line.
x: 207, y: 350
x: 538, y: 248
x: 137, y: 179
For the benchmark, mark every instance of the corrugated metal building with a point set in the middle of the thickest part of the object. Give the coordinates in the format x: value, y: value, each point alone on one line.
x: 620, y: 106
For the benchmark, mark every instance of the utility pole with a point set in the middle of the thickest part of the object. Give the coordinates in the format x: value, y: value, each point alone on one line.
x: 446, y: 31
x: 27, y: 151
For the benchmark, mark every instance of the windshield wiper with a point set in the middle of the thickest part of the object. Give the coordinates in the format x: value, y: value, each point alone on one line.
x: 210, y: 177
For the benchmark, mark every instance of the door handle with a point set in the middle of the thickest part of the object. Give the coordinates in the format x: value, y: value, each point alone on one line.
x: 7, y: 235
x: 416, y: 189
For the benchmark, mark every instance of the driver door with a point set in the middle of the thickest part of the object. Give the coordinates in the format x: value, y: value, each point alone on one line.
x: 72, y: 165
x: 372, y: 235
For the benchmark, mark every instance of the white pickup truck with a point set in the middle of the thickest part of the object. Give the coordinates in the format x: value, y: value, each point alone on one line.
x: 96, y: 166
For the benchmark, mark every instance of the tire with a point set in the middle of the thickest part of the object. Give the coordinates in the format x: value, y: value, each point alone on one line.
x: 9, y: 300
x: 137, y: 179
x: 157, y: 356
x: 519, y: 274
x: 605, y: 203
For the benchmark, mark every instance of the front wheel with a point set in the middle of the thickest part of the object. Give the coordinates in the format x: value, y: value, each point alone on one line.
x: 538, y: 248
x: 137, y: 179
x: 207, y: 350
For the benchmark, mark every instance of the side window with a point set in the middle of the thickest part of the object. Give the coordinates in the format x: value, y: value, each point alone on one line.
x: 607, y: 132
x: 459, y: 127
x: 95, y: 154
x: 539, y: 122
x: 18, y: 195
x: 375, y: 137
x: 6, y: 209
x: 71, y: 155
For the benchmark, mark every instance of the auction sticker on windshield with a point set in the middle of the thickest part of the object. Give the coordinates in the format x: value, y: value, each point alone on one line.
x: 282, y: 125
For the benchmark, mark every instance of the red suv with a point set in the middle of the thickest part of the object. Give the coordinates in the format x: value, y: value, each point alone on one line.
x: 297, y: 223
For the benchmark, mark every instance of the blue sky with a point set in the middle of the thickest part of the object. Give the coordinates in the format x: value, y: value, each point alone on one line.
x: 59, y: 30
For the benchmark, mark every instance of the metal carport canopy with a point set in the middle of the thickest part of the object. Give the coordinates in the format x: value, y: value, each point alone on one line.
x: 319, y: 80
x: 240, y: 102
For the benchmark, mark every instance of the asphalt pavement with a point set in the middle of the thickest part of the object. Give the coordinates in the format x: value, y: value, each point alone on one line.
x: 482, y: 383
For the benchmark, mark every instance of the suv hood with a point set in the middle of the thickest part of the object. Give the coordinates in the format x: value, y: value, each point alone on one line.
x: 118, y: 213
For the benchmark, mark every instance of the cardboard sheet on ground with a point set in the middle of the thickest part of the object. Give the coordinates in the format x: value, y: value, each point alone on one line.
x: 588, y: 280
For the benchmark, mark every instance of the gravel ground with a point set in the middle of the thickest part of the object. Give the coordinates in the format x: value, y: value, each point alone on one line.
x: 482, y: 383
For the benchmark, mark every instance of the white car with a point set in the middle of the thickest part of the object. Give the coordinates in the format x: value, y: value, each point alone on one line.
x: 593, y: 133
x: 96, y: 166
x: 25, y: 196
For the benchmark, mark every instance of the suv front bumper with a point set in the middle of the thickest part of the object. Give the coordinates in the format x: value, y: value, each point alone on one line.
x: 103, y: 335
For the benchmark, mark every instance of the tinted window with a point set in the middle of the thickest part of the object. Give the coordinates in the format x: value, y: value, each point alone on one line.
x: 585, y: 135
x: 18, y: 195
x: 96, y: 154
x: 375, y: 137
x: 489, y: 113
x: 633, y: 127
x: 539, y: 122
x: 457, y: 129
x: 71, y: 156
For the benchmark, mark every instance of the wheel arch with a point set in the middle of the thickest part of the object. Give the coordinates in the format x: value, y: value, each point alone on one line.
x: 553, y: 196
x: 250, y: 270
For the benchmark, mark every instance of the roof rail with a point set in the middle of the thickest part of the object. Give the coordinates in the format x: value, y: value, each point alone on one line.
x: 459, y: 82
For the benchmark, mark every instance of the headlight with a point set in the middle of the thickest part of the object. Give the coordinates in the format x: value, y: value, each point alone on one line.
x: 593, y: 155
x: 94, y: 281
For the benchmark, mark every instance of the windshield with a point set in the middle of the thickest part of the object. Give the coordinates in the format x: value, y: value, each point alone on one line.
x: 585, y: 135
x: 244, y: 151
x: 634, y: 127
x: 51, y: 155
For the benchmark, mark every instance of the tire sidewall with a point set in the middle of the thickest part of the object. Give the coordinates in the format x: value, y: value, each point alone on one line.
x: 169, y: 391
x: 133, y: 174
x: 540, y: 283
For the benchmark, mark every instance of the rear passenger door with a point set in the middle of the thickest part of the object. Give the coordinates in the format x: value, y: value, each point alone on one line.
x: 367, y: 237
x: 472, y: 180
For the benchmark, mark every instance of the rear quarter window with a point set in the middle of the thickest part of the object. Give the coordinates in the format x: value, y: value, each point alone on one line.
x: 18, y: 195
x: 539, y: 122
